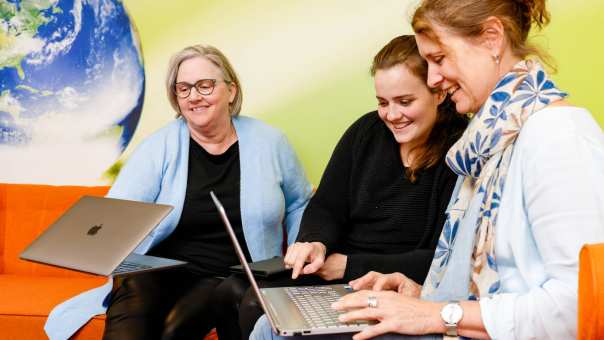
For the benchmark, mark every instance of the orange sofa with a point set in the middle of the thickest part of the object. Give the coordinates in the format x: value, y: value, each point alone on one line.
x: 591, y: 293
x: 29, y: 291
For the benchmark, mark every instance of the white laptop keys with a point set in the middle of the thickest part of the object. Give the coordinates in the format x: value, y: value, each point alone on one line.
x: 98, y: 235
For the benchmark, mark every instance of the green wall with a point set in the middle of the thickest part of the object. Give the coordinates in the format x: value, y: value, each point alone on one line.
x: 304, y: 64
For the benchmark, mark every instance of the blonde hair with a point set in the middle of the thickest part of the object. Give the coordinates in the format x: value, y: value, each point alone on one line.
x: 217, y: 58
x: 465, y: 18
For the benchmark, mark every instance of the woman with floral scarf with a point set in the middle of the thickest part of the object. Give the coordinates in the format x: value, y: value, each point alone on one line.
x: 530, y: 192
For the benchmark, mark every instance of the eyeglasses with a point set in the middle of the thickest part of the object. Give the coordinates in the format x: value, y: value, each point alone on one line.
x: 203, y: 86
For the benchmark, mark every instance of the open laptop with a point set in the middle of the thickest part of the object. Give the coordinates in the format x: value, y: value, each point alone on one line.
x: 303, y: 310
x: 97, y: 235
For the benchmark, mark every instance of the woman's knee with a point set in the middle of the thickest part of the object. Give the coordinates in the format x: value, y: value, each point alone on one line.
x: 132, y: 316
x: 249, y: 312
x: 193, y: 313
x: 230, y: 291
x: 137, y: 296
x: 138, y: 307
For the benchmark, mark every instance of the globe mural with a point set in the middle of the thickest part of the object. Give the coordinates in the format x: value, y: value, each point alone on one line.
x: 71, y: 89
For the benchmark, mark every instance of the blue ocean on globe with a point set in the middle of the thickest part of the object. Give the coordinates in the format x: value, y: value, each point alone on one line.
x: 71, y: 87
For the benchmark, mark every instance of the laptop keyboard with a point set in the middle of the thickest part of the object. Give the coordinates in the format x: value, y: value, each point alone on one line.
x: 127, y: 266
x: 314, y: 304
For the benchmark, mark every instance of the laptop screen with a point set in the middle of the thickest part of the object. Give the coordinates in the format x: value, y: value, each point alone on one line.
x: 241, y: 257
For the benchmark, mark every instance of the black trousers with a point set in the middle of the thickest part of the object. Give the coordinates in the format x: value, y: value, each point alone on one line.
x: 250, y: 309
x: 173, y: 304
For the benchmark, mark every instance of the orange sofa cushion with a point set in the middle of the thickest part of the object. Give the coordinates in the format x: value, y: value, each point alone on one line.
x: 23, y: 311
x: 591, y: 293
x: 29, y: 291
x: 25, y: 212
x: 17, y: 327
x: 35, y: 295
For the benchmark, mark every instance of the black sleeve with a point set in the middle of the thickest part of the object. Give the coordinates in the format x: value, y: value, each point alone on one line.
x: 328, y: 211
x: 416, y: 263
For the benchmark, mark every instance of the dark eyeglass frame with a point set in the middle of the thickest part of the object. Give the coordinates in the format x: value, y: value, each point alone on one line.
x: 202, y: 90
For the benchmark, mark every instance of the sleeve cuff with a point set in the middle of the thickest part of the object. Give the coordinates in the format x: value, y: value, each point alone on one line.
x: 497, y: 313
x: 353, y: 268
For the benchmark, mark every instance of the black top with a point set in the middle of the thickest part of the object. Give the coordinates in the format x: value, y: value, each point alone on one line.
x: 200, y: 237
x: 365, y: 207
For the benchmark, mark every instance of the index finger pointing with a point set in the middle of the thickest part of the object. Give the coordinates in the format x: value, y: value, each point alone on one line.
x: 300, y: 261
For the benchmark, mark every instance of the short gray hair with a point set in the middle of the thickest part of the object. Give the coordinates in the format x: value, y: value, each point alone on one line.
x: 217, y: 58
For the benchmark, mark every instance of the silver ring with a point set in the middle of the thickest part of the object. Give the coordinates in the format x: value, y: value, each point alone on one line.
x: 372, y: 302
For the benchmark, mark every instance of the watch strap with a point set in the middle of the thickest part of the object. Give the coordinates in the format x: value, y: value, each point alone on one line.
x: 451, y: 328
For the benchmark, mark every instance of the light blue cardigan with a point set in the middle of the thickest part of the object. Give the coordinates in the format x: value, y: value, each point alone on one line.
x: 274, y: 191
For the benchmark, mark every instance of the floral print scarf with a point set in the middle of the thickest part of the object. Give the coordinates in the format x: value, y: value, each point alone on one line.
x: 483, y: 155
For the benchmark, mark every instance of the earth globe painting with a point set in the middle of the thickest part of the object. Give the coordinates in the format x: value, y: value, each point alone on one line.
x: 71, y: 89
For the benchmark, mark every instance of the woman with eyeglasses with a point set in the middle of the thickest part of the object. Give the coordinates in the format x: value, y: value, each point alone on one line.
x: 249, y: 165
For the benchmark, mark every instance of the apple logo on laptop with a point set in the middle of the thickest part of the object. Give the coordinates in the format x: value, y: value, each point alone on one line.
x: 95, y: 229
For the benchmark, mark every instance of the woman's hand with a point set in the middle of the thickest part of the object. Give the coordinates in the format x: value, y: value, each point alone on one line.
x: 396, y: 281
x: 299, y: 253
x: 334, y: 267
x: 395, y: 313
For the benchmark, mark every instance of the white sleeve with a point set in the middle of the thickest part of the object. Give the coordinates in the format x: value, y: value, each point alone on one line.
x: 562, y: 189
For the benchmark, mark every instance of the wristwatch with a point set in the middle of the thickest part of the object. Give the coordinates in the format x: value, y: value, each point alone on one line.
x: 451, y: 315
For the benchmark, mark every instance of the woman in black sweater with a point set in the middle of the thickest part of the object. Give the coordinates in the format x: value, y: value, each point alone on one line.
x: 381, y: 202
x: 380, y: 205
x: 368, y: 214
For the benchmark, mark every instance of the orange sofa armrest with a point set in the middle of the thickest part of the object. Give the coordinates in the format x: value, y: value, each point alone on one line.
x: 591, y: 292
x: 2, y: 225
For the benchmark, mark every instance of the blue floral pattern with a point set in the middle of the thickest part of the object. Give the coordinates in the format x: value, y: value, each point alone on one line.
x: 483, y: 155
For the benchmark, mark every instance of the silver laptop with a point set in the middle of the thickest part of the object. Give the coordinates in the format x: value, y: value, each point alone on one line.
x: 295, y: 310
x: 97, y: 235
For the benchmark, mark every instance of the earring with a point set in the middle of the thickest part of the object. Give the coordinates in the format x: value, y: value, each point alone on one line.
x: 496, y: 58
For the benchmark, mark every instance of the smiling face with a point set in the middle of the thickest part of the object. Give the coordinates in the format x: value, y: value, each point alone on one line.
x: 463, y: 67
x: 204, y: 111
x: 406, y: 104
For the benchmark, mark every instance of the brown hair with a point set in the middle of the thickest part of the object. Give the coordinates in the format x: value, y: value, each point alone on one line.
x: 217, y: 58
x: 465, y: 18
x: 449, y: 124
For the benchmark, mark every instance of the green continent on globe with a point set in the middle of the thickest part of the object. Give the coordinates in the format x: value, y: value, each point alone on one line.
x: 19, y: 29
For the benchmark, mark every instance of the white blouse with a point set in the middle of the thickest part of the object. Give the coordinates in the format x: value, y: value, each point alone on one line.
x: 552, y: 204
